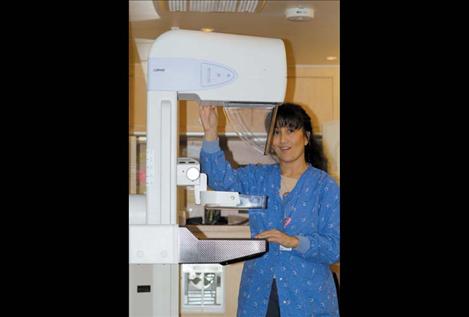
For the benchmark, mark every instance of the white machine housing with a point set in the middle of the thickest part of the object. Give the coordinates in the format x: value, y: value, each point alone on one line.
x: 218, y: 68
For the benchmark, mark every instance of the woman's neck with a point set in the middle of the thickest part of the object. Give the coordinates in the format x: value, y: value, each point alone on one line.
x: 293, y: 169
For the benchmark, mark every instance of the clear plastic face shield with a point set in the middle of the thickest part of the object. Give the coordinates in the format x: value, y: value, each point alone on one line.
x: 253, y: 123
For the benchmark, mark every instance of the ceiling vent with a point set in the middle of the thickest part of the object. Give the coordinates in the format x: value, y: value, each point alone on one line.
x: 230, y: 6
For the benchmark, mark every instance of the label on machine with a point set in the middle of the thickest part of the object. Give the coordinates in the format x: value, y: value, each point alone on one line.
x: 186, y: 74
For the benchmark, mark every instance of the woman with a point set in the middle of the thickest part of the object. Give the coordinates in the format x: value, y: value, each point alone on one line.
x: 301, y: 222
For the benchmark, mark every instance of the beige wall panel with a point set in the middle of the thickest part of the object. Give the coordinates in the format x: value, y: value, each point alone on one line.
x: 315, y: 94
x: 316, y: 88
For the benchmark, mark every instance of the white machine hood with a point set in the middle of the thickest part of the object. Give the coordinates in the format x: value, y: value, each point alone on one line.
x: 218, y: 68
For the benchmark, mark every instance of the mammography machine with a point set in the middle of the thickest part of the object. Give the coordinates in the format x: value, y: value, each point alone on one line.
x: 232, y: 71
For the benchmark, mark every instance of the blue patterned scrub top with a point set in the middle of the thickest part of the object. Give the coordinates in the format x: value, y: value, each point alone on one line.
x: 304, y: 281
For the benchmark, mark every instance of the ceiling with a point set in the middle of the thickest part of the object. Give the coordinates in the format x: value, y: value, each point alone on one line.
x: 306, y: 42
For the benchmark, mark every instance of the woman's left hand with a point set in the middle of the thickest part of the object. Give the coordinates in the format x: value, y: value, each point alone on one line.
x: 279, y: 237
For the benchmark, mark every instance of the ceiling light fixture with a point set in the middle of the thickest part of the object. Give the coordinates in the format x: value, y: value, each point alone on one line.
x: 299, y: 14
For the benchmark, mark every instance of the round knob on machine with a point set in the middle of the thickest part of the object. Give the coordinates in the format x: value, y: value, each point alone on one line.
x: 192, y: 173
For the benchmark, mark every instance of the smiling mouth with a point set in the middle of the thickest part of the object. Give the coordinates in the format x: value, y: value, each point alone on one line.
x: 284, y: 148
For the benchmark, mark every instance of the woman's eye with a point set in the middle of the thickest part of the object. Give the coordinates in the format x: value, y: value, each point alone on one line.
x: 291, y: 130
x: 276, y: 132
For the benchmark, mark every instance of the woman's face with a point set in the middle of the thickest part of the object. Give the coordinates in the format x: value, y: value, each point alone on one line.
x: 289, y: 144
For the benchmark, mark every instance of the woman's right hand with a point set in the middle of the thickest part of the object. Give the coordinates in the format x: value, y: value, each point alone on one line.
x: 209, y: 119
